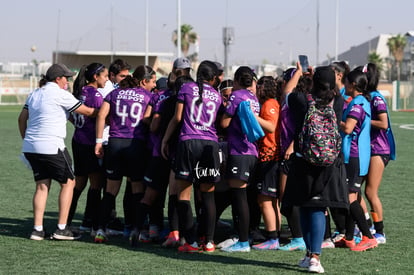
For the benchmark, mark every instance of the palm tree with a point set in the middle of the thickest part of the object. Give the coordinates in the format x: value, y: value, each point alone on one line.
x: 187, y: 37
x: 396, y: 44
x: 376, y: 59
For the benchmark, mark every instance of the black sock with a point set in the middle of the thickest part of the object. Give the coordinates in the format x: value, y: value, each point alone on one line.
x: 339, y: 216
x: 327, y: 226
x: 105, y: 210
x: 136, y: 202
x: 379, y: 227
x: 294, y: 222
x: 142, y: 212
x: 92, y: 207
x: 128, y: 204
x: 359, y: 217
x: 241, y: 210
x: 209, y: 215
x: 272, y: 235
x: 172, y: 213
x: 186, y: 222
x: 74, y: 205
x: 255, y: 214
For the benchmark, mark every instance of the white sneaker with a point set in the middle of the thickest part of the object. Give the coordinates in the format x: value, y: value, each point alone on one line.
x: 328, y: 243
x: 304, y: 263
x: 315, y: 266
x: 227, y: 243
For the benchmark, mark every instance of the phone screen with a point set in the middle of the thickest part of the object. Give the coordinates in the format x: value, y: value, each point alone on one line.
x: 303, y: 60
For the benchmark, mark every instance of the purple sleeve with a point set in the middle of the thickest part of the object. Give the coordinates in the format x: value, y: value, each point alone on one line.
x: 356, y: 112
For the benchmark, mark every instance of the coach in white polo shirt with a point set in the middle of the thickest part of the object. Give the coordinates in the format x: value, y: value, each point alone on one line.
x: 42, y: 125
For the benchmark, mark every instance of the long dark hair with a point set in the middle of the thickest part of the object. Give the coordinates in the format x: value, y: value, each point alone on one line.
x: 245, y: 76
x: 323, y: 90
x: 372, y: 73
x: 206, y: 71
x: 142, y: 73
x: 341, y: 67
x: 361, y: 81
x: 86, y: 75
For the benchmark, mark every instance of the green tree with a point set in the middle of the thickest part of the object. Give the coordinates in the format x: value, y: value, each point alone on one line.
x: 376, y: 59
x: 188, y: 37
x: 396, y: 44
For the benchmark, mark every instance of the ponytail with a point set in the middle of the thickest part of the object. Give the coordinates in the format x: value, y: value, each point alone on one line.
x: 80, y: 81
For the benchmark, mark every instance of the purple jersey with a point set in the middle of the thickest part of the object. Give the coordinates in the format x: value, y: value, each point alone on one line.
x: 199, y: 119
x: 127, y: 108
x: 287, y: 128
x: 357, y: 112
x: 379, y: 138
x: 85, y: 127
x: 237, y: 140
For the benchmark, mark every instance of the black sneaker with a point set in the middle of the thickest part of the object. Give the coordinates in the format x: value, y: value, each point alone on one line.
x: 65, y: 234
x: 37, y: 235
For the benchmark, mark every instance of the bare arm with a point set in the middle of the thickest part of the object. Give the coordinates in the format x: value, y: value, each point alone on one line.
x: 381, y: 123
x: 147, y: 115
x: 155, y: 123
x: 267, y: 125
x: 348, y: 126
x: 87, y: 111
x: 100, y: 125
x: 225, y: 121
x: 293, y: 82
x: 22, y: 120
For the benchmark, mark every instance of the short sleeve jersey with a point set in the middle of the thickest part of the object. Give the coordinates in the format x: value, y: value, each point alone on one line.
x: 199, y: 119
x: 357, y: 112
x: 49, y: 108
x: 85, y: 127
x: 379, y: 138
x: 269, y: 145
x: 237, y: 140
x: 127, y: 108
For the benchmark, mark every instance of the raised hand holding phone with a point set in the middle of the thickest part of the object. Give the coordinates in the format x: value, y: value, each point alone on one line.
x: 304, y: 63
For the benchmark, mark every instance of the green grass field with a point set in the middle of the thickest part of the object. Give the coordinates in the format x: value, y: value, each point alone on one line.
x: 19, y: 255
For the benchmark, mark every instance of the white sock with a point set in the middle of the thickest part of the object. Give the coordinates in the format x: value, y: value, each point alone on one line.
x: 62, y: 226
x: 38, y: 227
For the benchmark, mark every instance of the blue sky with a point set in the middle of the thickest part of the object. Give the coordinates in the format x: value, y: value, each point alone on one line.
x: 271, y: 30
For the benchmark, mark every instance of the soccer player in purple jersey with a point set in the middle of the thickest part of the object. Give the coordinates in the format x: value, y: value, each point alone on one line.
x: 87, y: 165
x: 128, y: 109
x: 242, y: 153
x: 356, y: 126
x: 197, y: 158
x: 382, y: 149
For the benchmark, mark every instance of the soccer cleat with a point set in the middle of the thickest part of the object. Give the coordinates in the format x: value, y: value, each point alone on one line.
x: 336, y: 237
x: 37, y: 235
x: 154, y: 232
x: 304, y: 262
x: 100, y: 236
x: 372, y: 230
x: 65, y: 234
x: 144, y: 236
x: 189, y: 248
x: 238, y: 247
x: 365, y: 244
x: 272, y: 244
x: 315, y: 266
x: 134, y: 238
x: 294, y: 245
x: 172, y: 240
x: 209, y: 247
x: 328, y: 243
x: 228, y: 242
x: 127, y: 231
x: 86, y: 226
x: 115, y: 227
x: 345, y: 243
x: 380, y: 238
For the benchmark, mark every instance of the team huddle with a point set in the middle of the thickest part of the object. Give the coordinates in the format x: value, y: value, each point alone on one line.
x: 302, y: 145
